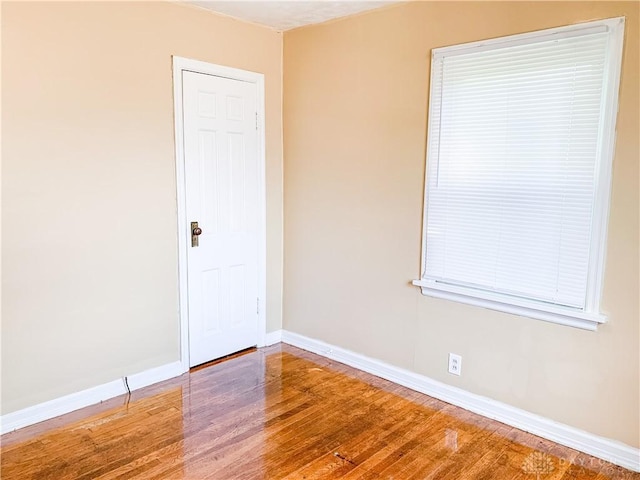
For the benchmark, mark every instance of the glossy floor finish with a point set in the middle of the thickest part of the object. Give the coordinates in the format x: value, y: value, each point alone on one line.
x: 282, y: 413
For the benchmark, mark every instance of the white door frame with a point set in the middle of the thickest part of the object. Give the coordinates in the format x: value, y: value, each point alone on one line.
x: 181, y: 64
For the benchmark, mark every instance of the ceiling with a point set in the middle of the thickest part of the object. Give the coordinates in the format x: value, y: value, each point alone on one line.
x: 285, y: 15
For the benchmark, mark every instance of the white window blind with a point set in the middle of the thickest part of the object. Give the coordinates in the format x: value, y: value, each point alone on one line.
x: 516, y: 132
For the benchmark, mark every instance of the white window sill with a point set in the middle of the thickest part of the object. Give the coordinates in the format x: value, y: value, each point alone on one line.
x: 502, y: 303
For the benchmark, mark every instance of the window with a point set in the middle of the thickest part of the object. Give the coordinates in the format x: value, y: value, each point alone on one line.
x: 519, y: 152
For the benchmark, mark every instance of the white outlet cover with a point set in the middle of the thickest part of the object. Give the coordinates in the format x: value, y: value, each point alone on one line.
x: 455, y: 364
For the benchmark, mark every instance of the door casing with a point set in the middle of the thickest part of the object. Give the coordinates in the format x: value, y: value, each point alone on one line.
x: 181, y: 64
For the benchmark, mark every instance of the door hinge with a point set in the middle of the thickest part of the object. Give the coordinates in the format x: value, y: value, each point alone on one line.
x: 256, y: 120
x: 258, y: 306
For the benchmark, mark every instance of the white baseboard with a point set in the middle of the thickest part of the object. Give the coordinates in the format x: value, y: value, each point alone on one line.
x: 91, y: 396
x: 155, y: 375
x: 604, y: 448
x: 273, y: 337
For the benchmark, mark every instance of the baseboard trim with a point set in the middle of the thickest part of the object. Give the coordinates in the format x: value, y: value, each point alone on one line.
x: 609, y: 450
x: 273, y: 337
x: 155, y: 375
x: 74, y: 401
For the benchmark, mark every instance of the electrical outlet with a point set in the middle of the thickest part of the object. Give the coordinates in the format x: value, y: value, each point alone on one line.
x: 455, y: 364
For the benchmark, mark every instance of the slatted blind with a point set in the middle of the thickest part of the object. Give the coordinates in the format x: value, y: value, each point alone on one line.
x: 514, y: 135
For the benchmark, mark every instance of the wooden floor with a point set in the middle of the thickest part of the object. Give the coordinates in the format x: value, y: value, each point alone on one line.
x: 282, y: 413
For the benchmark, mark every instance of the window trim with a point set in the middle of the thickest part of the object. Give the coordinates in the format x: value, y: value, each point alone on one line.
x: 591, y: 316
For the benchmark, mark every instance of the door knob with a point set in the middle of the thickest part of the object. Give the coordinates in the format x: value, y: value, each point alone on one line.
x: 195, y: 232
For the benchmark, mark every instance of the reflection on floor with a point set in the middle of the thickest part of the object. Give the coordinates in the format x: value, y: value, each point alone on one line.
x: 283, y: 413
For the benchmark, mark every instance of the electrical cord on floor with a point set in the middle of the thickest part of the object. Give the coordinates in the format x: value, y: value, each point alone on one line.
x: 126, y: 384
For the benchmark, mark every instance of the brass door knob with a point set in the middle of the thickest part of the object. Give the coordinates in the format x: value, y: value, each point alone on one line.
x: 195, y: 231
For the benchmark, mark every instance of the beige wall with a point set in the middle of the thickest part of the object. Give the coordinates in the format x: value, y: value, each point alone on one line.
x: 355, y: 110
x: 89, y: 245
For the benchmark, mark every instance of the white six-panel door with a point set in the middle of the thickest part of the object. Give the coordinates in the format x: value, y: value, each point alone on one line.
x: 221, y: 180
